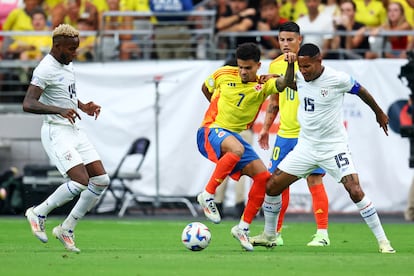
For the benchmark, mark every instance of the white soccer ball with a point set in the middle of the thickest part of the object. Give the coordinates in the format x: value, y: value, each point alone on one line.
x: 196, y: 236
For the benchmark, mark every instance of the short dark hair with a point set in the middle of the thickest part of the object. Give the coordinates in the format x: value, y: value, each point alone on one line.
x: 308, y: 50
x: 290, y: 26
x: 38, y: 10
x: 247, y: 51
x: 265, y: 3
x: 231, y: 62
x: 351, y: 2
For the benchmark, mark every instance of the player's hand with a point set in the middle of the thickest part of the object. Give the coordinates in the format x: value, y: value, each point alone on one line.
x: 92, y: 109
x: 263, y: 139
x: 290, y: 57
x: 382, y: 120
x: 70, y: 114
x: 265, y: 78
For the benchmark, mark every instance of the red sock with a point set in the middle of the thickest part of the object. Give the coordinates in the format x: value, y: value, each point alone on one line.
x: 285, y: 204
x: 224, y: 166
x: 320, y: 205
x: 256, y: 196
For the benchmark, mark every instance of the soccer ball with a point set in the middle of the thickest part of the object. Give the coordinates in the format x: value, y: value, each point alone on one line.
x: 196, y: 236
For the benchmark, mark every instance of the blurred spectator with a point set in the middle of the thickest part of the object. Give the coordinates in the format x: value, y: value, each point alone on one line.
x: 270, y: 20
x: 127, y: 44
x: 19, y: 18
x: 48, y: 5
x: 221, y: 7
x: 6, y: 6
x: 394, y: 46
x: 70, y: 11
x: 172, y: 40
x: 86, y: 49
x: 331, y: 7
x: 240, y: 18
x: 408, y: 9
x: 371, y: 13
x: 293, y: 9
x: 315, y: 21
x: 33, y: 47
x: 349, y: 46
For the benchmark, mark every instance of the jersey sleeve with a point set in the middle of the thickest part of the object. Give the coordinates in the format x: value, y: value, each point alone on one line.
x: 270, y: 87
x: 348, y: 83
x: 39, y: 78
x: 211, y: 81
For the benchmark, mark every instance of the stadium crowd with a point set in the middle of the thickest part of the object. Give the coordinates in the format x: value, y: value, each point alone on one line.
x: 343, y: 29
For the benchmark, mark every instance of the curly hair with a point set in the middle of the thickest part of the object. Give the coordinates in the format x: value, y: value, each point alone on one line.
x: 65, y: 30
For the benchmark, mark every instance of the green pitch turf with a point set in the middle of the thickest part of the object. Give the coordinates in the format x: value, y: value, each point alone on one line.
x: 153, y: 247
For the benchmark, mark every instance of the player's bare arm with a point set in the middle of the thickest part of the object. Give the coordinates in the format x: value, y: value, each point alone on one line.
x: 266, y: 77
x: 90, y: 108
x: 31, y: 104
x: 206, y: 93
x: 271, y: 113
x: 288, y: 80
x: 381, y: 117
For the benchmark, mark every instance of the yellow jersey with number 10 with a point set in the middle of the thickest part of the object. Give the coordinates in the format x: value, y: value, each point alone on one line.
x: 288, y: 102
x: 234, y: 105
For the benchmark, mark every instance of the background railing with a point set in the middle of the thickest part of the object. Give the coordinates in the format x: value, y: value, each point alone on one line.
x: 147, y: 36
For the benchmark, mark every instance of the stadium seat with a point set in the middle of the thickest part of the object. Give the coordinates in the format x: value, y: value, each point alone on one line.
x: 127, y: 171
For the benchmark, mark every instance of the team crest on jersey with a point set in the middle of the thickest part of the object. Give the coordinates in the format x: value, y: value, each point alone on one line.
x: 258, y: 87
x: 211, y: 82
x: 324, y: 92
x: 221, y: 134
x: 68, y: 156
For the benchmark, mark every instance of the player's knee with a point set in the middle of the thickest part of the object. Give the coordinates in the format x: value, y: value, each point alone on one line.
x: 74, y: 187
x: 356, y: 194
x: 98, y: 184
x: 271, y: 187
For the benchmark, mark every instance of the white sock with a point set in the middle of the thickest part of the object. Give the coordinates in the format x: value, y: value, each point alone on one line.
x: 244, y: 225
x: 63, y: 194
x: 86, y: 201
x: 370, y: 215
x: 271, y: 210
x: 207, y: 194
x: 322, y: 231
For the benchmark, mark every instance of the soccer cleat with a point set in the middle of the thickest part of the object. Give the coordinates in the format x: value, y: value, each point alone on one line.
x: 385, y: 247
x: 264, y: 239
x: 319, y: 240
x: 279, y: 239
x: 243, y: 237
x: 66, y: 237
x: 209, y: 208
x: 37, y: 224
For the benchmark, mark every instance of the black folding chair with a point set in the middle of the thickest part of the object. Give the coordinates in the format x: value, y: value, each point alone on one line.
x: 126, y: 171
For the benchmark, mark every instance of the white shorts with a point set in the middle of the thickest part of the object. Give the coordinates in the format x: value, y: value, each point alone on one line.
x: 67, y: 146
x: 303, y: 159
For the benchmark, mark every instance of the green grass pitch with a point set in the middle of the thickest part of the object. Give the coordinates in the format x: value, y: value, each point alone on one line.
x: 143, y: 247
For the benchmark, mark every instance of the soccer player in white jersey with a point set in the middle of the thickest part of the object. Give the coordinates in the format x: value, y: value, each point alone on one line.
x: 322, y: 139
x: 52, y: 92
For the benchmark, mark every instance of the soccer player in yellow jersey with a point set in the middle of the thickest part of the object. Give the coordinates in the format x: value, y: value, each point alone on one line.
x: 236, y: 95
x: 287, y: 102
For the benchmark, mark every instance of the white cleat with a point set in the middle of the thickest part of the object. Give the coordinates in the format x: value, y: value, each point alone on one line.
x: 209, y: 208
x: 319, y: 240
x: 264, y: 239
x: 385, y: 247
x: 37, y: 224
x: 243, y: 237
x: 66, y: 237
